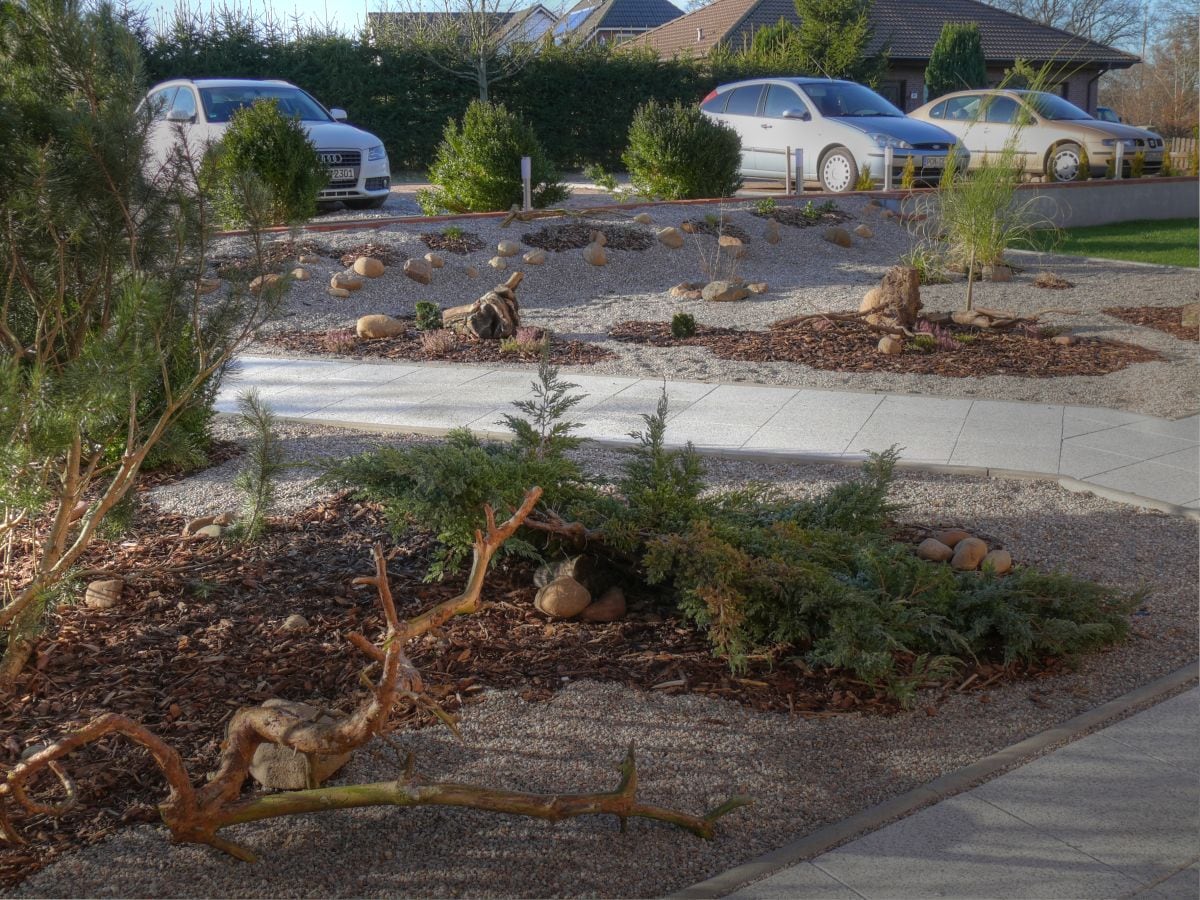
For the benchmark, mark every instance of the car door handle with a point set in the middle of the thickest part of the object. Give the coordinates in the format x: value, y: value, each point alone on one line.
x: 765, y: 125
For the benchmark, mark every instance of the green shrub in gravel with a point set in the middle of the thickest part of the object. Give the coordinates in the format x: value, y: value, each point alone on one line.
x: 766, y: 576
x: 678, y: 153
x: 683, y: 325
x: 478, y: 164
x: 265, y: 150
x: 429, y: 315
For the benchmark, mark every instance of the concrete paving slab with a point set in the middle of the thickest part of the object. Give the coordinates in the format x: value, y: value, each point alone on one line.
x: 1031, y: 457
x: 1187, y: 429
x: 371, y: 373
x: 965, y: 847
x: 730, y: 404
x: 1183, y: 885
x: 705, y: 434
x: 1130, y: 442
x: 813, y: 439
x: 1188, y: 460
x: 1149, y: 479
x: 1166, y: 732
x: 905, y: 406
x: 797, y: 883
x: 1083, y: 462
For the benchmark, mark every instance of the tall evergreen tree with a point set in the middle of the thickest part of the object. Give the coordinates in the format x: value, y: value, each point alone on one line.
x: 834, y: 37
x: 957, y: 62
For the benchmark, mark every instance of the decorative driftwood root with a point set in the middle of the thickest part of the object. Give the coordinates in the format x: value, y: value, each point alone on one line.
x: 994, y: 319
x: 196, y: 814
x: 493, y: 316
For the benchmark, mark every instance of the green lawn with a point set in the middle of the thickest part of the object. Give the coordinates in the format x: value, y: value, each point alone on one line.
x: 1167, y: 242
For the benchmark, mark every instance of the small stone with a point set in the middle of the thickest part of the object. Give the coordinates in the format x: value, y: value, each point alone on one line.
x: 864, y: 231
x: 308, y: 259
x: 338, y: 292
x: 419, y: 270
x: 999, y: 561
x: 724, y: 292
x: 508, y: 248
x: 472, y: 272
x: 196, y: 524
x: 378, y: 326
x: 772, y: 235
x: 535, y: 257
x: 952, y: 536
x: 1191, y: 315
x: 562, y: 598
x: 103, y: 594
x: 839, y: 236
x: 295, y: 622
x: 671, y: 238
x: 643, y: 218
x: 609, y: 608
x: 208, y: 285
x: 934, y: 550
x: 732, y: 245
x: 595, y: 254
x: 684, y: 288
x: 345, y: 281
x: 300, y: 274
x: 1064, y: 340
x: 368, y: 266
x: 757, y: 287
x: 209, y: 531
x: 998, y: 273
x: 599, y: 237
x: 890, y: 346
x: 688, y: 228
x: 871, y: 299
x: 968, y: 554
x: 263, y: 281
x: 498, y: 262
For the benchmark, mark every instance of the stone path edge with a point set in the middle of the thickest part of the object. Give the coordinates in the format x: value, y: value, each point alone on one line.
x: 1066, y: 482
x: 838, y: 833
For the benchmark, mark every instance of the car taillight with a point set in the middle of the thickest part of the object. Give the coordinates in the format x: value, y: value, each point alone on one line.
x: 711, y: 94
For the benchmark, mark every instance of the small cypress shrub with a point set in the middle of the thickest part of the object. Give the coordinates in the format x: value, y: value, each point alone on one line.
x: 265, y: 163
x: 1194, y: 160
x: 1110, y: 168
x: 1085, y: 166
x: 908, y: 177
x: 478, y: 164
x: 865, y: 181
x: 1137, y: 166
x: 1168, y: 165
x: 683, y: 325
x: 678, y: 153
x: 429, y: 315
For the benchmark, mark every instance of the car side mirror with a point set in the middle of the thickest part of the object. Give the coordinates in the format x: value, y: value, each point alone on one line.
x: 802, y: 114
x: 178, y: 115
x: 339, y: 114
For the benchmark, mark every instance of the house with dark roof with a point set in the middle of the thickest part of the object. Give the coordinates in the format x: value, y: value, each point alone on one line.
x: 613, y: 21
x: 907, y: 30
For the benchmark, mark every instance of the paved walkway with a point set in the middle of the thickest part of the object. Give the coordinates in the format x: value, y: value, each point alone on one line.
x: 1111, y: 815
x: 1155, y: 459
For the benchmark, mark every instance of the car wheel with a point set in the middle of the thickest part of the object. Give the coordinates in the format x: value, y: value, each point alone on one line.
x: 839, y: 171
x: 373, y: 203
x: 1064, y: 161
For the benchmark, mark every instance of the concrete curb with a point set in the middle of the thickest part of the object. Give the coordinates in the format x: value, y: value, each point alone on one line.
x: 824, y: 839
x: 776, y: 456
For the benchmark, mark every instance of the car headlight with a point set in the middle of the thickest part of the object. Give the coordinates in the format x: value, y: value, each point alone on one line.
x: 375, y: 153
x: 886, y: 140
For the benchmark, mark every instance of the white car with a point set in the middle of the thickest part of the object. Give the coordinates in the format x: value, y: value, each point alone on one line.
x: 359, y: 174
x: 841, y: 126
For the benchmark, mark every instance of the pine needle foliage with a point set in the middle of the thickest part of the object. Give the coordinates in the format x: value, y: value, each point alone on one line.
x: 759, y: 572
x: 264, y: 464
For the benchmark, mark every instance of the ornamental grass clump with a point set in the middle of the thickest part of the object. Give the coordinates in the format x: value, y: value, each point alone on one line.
x: 762, y: 574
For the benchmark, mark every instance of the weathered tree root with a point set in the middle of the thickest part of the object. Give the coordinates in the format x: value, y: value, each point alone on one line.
x: 195, y: 814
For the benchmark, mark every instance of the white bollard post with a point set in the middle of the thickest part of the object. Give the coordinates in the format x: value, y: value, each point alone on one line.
x: 787, y: 172
x: 1119, y: 159
x: 526, y: 180
x: 798, y: 168
x: 889, y: 159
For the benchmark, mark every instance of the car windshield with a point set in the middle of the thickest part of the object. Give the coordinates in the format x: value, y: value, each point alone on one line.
x: 839, y: 100
x: 220, y: 103
x: 1056, y: 109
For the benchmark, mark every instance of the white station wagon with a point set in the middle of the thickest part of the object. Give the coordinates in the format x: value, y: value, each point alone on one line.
x: 841, y: 126
x: 359, y: 174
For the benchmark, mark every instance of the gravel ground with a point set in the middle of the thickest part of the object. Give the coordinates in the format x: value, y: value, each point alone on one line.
x: 693, y: 751
x: 805, y: 274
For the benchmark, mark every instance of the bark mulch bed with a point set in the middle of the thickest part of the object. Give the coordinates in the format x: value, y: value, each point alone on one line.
x: 573, y: 235
x: 715, y: 228
x: 463, y: 243
x: 1161, y: 318
x: 277, y: 255
x: 198, y: 633
x: 381, y: 252
x: 805, y: 216
x: 852, y: 347
x: 409, y: 345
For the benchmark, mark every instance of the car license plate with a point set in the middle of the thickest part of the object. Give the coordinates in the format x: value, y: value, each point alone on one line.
x: 935, y: 162
x: 344, y: 174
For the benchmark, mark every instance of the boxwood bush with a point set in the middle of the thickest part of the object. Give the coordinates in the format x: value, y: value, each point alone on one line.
x: 478, y: 165
x: 265, y: 167
x: 678, y: 153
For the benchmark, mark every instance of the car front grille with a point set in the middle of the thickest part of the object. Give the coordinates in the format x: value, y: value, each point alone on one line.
x: 938, y: 146
x: 342, y: 159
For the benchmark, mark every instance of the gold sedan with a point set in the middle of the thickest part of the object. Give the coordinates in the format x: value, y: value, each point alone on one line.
x: 1050, y: 133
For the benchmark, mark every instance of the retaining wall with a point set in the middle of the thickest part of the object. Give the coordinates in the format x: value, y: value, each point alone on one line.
x: 1080, y: 203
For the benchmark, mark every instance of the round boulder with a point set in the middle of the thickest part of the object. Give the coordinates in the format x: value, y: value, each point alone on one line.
x: 562, y: 598
x: 671, y: 238
x: 508, y: 248
x: 595, y: 254
x: 934, y: 550
x: 535, y: 257
x: 103, y: 594
x: 378, y: 326
x: 419, y: 270
x: 890, y: 346
x: 838, y: 236
x: 999, y: 561
x: 368, y: 266
x: 968, y: 554
x: 435, y: 260
x: 951, y: 536
x: 609, y: 608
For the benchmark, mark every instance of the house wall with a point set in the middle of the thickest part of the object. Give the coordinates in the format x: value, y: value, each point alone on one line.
x: 1081, y: 88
